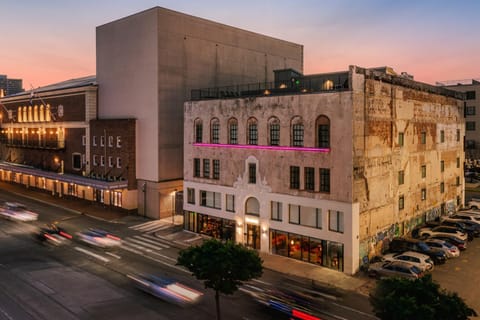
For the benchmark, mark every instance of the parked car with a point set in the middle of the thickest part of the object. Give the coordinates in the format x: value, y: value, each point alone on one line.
x: 471, y: 231
x: 474, y: 203
x: 394, y: 269
x: 99, y: 238
x: 402, y: 244
x: 421, y: 261
x: 443, y: 230
x: 450, y: 250
x: 460, y: 244
x: 17, y: 212
x: 466, y: 215
x: 166, y: 289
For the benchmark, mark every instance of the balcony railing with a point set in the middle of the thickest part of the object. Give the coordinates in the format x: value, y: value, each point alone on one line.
x: 34, y: 144
x: 302, y: 85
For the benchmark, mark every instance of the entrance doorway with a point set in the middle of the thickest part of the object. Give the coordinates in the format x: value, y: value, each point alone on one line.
x: 253, y: 236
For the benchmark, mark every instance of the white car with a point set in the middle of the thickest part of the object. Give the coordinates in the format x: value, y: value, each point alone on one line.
x: 421, y: 261
x: 474, y: 203
x: 99, y: 238
x: 466, y: 215
x: 443, y: 231
x: 17, y: 211
x: 450, y: 250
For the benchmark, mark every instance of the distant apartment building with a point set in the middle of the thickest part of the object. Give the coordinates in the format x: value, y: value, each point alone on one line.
x: 51, y: 139
x: 148, y: 62
x: 10, y: 86
x: 471, y: 88
x: 322, y: 168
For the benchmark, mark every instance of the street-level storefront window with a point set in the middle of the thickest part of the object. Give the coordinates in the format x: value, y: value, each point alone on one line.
x: 214, y: 227
x: 320, y: 252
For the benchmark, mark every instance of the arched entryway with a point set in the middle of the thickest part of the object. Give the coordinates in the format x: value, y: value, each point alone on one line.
x: 252, y: 223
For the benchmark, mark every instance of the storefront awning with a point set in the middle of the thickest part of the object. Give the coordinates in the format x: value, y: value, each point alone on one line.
x: 68, y: 178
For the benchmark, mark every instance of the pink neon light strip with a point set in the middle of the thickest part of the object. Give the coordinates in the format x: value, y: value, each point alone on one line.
x: 255, y: 147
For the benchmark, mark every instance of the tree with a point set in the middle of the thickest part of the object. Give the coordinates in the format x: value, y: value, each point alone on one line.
x: 401, y: 299
x: 222, y: 266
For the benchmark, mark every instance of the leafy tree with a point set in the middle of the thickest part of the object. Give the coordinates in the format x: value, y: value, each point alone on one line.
x: 222, y: 266
x: 401, y: 299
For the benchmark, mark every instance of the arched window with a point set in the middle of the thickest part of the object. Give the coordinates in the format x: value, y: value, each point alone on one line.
x: 297, y: 132
x: 327, y: 85
x: 48, y: 115
x: 35, y: 114
x: 24, y: 116
x: 30, y: 115
x: 198, y: 131
x: 252, y: 131
x: 274, y: 131
x: 323, y: 132
x: 232, y: 131
x: 215, y: 130
x: 19, y: 114
x: 252, y: 207
x: 41, y: 116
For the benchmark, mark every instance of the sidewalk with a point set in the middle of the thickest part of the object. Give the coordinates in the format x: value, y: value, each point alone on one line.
x: 174, y: 233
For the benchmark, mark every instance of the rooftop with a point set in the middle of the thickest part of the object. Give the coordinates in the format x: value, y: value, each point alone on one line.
x: 72, y: 83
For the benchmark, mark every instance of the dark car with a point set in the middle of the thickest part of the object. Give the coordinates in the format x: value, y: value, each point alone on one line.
x: 402, y: 244
x: 53, y: 234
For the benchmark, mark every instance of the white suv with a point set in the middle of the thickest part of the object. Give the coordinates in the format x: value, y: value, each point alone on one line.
x: 474, y: 203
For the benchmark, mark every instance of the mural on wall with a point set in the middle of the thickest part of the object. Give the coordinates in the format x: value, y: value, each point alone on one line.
x: 450, y: 205
x: 432, y: 214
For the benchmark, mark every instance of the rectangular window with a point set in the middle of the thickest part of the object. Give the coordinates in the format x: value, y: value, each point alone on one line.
x: 401, y: 203
x: 294, y: 177
x: 324, y: 136
x: 311, y: 217
x: 252, y: 134
x: 216, y: 169
x: 274, y: 134
x: 76, y: 161
x: 335, y: 221
x: 210, y: 199
x: 102, y: 161
x: 400, y: 139
x: 442, y: 187
x: 95, y: 160
x: 216, y: 132
x: 233, y: 138
x: 230, y: 202
x: 324, y: 180
x: 94, y: 141
x: 119, y: 162
x: 424, y: 171
x: 119, y: 141
x: 442, y: 135
x: 423, y: 137
x: 401, y: 177
x: 206, y: 168
x: 471, y: 95
x: 198, y: 133
x: 458, y: 162
x: 84, y: 159
x: 252, y: 173
x: 442, y: 165
x: 470, y: 111
x: 196, y: 167
x: 276, y: 211
x: 191, y: 195
x: 458, y: 134
x: 110, y: 162
x: 424, y: 194
x: 297, y: 135
x: 294, y: 214
x: 457, y: 180
x: 110, y: 141
x: 309, y: 179
x: 102, y: 141
x: 470, y: 125
x: 84, y: 140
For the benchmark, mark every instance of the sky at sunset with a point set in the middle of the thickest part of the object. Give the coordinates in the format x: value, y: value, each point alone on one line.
x: 49, y: 41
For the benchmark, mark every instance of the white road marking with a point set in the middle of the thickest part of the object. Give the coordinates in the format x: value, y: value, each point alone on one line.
x: 97, y: 256
x: 151, y: 241
x: 113, y: 255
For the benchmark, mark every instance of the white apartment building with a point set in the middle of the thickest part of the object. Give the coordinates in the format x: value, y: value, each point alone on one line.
x: 321, y: 168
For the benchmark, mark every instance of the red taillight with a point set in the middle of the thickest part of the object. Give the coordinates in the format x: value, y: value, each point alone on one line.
x: 66, y: 235
x: 302, y: 315
x: 113, y: 237
x: 49, y: 237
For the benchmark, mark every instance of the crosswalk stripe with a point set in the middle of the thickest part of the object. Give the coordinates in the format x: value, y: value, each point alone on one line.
x: 144, y: 225
x: 148, y: 245
x: 155, y: 229
x: 124, y: 244
x: 151, y: 241
x: 97, y: 256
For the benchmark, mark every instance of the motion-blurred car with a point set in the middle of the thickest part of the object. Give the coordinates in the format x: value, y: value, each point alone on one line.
x: 99, y: 238
x: 17, y: 211
x: 394, y: 269
x: 421, y: 261
x: 53, y: 234
x: 166, y: 289
x: 450, y: 250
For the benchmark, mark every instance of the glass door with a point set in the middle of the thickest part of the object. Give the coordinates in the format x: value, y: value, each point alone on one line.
x: 253, y: 236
